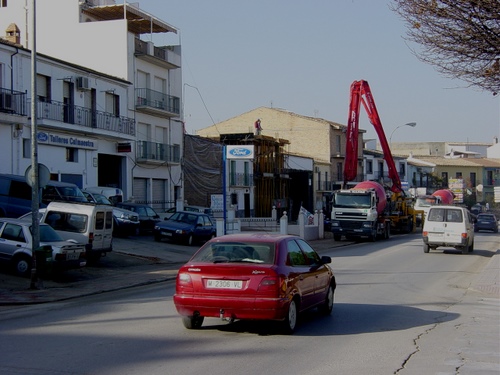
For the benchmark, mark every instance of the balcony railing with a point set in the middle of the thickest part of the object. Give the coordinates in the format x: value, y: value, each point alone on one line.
x: 73, y: 114
x: 13, y: 102
x: 167, y: 56
x: 156, y: 102
x: 240, y: 179
x: 158, y: 152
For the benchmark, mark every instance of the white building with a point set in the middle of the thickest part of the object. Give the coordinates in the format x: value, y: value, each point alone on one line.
x: 72, y: 134
x: 116, y: 40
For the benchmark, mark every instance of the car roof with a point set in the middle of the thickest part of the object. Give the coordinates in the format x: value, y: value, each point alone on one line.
x: 17, y: 221
x: 254, y: 237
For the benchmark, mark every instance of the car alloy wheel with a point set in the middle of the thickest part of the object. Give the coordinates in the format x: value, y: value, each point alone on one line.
x: 291, y: 319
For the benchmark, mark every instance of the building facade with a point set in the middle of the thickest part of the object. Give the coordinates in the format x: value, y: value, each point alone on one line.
x: 323, y: 141
x: 117, y: 40
x: 71, y: 132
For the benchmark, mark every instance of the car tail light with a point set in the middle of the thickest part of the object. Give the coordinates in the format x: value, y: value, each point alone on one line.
x: 464, y: 235
x: 91, y: 237
x: 184, y: 280
x: 425, y: 233
x: 269, y: 284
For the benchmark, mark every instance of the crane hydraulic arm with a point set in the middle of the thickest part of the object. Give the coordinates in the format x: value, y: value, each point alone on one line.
x: 361, y: 93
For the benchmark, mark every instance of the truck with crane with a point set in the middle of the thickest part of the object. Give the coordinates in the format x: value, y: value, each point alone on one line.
x: 367, y: 209
x: 425, y: 202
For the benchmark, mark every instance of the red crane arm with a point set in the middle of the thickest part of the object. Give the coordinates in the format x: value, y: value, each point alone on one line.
x: 361, y: 93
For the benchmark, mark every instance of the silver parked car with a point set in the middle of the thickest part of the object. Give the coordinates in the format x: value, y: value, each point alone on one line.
x: 16, y: 245
x: 125, y: 222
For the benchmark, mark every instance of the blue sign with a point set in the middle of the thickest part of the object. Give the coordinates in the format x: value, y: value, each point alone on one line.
x: 240, y: 152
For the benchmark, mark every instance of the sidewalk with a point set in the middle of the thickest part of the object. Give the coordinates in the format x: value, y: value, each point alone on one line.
x: 140, y: 261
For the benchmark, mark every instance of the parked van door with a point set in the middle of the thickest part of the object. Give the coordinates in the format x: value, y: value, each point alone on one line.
x: 84, y: 222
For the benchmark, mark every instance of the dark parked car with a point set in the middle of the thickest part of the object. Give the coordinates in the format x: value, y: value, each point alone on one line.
x: 125, y: 222
x: 147, y: 216
x: 16, y: 247
x: 486, y: 222
x: 186, y: 227
x: 254, y: 276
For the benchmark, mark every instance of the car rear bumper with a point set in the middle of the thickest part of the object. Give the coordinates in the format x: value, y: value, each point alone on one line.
x: 234, y: 308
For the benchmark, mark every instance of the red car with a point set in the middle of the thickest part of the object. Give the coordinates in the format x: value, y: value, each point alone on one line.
x: 254, y: 276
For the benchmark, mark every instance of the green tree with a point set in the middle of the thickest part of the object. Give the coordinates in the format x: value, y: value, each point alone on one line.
x: 460, y: 38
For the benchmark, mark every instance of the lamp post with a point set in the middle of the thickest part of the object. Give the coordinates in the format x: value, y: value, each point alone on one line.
x: 412, y: 124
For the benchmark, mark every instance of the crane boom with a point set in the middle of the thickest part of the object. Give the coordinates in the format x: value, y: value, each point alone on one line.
x: 361, y: 94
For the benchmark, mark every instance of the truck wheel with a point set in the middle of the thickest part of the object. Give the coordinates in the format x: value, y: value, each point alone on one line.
x: 387, y: 232
x: 426, y: 248
x: 373, y: 237
x: 337, y: 237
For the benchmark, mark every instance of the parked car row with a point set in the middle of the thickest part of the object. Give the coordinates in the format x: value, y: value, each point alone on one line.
x: 16, y: 243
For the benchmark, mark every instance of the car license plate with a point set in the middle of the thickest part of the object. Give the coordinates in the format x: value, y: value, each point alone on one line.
x: 224, y: 284
x: 72, y: 256
x: 168, y: 234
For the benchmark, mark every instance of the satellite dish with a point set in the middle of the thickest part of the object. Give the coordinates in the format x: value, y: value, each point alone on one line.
x: 43, y: 176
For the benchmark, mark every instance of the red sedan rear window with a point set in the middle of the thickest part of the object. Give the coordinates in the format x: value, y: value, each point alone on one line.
x: 262, y: 253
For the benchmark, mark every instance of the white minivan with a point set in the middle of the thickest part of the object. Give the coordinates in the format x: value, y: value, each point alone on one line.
x: 86, y: 223
x: 449, y: 226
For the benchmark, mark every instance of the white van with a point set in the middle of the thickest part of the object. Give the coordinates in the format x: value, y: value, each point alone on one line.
x: 449, y: 226
x: 86, y: 223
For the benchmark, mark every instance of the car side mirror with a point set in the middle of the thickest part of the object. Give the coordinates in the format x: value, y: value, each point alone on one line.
x: 326, y: 259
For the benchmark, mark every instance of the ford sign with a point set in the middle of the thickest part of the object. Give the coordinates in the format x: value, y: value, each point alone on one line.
x: 240, y: 152
x: 43, y: 137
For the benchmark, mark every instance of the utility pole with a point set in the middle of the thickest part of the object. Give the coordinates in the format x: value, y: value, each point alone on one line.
x: 34, y: 175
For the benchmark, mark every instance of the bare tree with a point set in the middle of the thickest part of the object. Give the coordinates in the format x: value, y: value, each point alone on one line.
x: 460, y: 38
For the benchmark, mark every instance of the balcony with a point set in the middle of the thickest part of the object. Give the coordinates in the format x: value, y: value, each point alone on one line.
x: 81, y: 116
x: 240, y: 180
x: 157, y: 153
x: 13, y: 102
x: 156, y: 103
x: 166, y: 56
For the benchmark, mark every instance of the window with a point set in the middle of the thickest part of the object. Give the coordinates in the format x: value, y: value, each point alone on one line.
x: 13, y: 232
x: 112, y: 102
x: 458, y: 175
x: 232, y: 173
x: 436, y: 214
x: 26, y: 148
x: 295, y: 256
x: 3, y: 3
x: 311, y: 255
x: 43, y: 88
x: 473, y: 179
x: 339, y: 172
x: 444, y: 176
x: 369, y: 166
x: 339, y: 143
x: 72, y: 155
x: 402, y: 169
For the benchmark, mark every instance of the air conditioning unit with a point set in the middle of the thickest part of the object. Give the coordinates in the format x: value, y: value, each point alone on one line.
x: 6, y: 103
x: 82, y: 83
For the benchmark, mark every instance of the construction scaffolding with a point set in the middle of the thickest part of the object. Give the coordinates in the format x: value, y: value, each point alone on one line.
x: 271, y: 180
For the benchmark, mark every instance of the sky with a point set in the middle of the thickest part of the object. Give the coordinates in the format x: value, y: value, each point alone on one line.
x: 303, y: 56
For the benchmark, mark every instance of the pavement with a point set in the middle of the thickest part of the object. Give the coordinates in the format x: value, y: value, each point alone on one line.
x: 139, y: 261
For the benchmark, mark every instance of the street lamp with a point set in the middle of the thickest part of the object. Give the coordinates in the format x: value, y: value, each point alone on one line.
x: 412, y: 124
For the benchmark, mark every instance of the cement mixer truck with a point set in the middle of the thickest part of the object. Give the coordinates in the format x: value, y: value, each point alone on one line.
x: 367, y: 210
x: 361, y: 212
x: 424, y: 202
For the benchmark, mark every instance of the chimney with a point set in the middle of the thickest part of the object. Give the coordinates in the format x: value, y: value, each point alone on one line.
x: 13, y: 34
